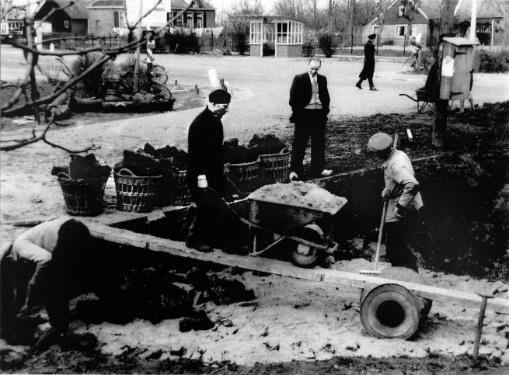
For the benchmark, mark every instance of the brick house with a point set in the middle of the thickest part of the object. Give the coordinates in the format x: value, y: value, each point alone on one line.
x: 73, y: 20
x: 200, y: 15
x: 426, y: 13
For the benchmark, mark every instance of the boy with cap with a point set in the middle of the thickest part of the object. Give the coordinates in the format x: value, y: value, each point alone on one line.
x: 369, y: 63
x: 206, y: 179
x: 404, y: 199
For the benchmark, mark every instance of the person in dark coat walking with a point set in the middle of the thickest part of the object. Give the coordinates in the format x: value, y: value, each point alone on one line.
x: 206, y: 180
x: 369, y: 63
x: 309, y: 100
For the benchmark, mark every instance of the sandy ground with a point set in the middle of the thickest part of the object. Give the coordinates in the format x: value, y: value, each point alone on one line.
x: 291, y: 319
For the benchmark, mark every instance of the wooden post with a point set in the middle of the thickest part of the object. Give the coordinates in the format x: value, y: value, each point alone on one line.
x: 137, y: 55
x: 440, y: 123
x: 351, y: 29
x: 480, y: 323
x: 473, y: 21
x: 33, y: 83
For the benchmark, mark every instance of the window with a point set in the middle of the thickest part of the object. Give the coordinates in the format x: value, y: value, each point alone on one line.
x: 255, y: 32
x: 289, y: 32
x: 179, y: 21
x: 400, y: 30
x: 116, y: 19
x: 401, y: 11
x: 189, y: 20
x: 199, y: 19
x: 97, y: 23
x: 67, y: 25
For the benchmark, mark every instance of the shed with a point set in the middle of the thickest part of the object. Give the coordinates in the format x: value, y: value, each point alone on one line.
x: 66, y: 17
x: 275, y: 35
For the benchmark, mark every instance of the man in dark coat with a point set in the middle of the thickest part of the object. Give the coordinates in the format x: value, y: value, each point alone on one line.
x: 309, y: 100
x: 214, y: 224
x: 369, y: 63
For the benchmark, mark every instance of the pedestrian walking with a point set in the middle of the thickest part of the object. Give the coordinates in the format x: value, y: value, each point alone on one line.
x: 309, y: 100
x: 369, y: 63
x: 404, y: 200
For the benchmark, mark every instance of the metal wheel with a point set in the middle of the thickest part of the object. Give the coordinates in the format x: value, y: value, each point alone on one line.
x: 305, y: 255
x: 159, y: 74
x: 157, y: 89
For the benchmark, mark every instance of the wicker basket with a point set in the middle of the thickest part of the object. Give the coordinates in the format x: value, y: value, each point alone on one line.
x: 276, y: 166
x: 136, y: 193
x: 177, y: 192
x: 83, y: 197
x: 245, y: 172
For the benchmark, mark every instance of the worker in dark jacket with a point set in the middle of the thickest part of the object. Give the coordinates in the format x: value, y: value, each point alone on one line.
x: 309, y: 100
x: 206, y: 180
x: 369, y: 63
x: 46, y: 265
x: 404, y: 201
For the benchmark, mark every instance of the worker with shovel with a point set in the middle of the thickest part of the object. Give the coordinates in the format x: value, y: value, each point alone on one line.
x: 402, y: 199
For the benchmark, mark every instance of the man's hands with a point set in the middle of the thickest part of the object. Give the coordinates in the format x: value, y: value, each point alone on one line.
x: 400, y: 212
x: 202, y: 181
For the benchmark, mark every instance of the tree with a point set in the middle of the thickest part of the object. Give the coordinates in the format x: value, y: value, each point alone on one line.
x: 14, y: 105
x: 446, y: 25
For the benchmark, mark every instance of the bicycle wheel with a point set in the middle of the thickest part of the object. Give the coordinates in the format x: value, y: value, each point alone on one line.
x: 159, y: 74
x: 160, y: 91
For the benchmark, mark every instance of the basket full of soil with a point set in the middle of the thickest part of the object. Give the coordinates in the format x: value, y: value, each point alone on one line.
x: 137, y: 181
x: 82, y: 184
x: 172, y: 162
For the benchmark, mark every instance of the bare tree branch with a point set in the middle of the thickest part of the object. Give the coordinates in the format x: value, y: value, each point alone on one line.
x: 146, y: 14
x: 87, y: 149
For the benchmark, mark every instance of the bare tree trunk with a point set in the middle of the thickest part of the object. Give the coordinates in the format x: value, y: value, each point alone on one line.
x: 33, y: 83
x: 445, y: 26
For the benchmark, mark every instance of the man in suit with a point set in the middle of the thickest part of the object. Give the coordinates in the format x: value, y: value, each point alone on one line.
x: 309, y: 99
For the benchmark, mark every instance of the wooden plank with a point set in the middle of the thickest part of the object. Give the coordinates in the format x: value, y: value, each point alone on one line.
x: 277, y: 267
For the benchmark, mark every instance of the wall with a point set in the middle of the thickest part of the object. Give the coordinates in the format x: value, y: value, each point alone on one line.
x: 210, y: 19
x: 254, y: 50
x: 289, y: 50
x: 79, y: 27
x: 106, y: 21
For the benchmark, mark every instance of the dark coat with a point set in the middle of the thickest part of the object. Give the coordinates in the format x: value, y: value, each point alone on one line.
x: 301, y: 92
x: 205, y: 151
x: 369, y: 61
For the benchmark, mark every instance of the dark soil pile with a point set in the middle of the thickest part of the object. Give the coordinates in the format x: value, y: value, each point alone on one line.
x: 258, y: 145
x: 83, y: 167
x: 169, y: 156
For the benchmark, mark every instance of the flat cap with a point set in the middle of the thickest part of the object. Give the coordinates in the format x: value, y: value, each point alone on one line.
x: 219, y: 96
x: 380, y: 142
x: 371, y: 36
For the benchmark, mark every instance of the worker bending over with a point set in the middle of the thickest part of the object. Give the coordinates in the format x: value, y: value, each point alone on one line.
x: 46, y: 265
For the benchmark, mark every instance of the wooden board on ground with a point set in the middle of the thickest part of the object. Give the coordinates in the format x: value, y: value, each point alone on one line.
x: 277, y: 267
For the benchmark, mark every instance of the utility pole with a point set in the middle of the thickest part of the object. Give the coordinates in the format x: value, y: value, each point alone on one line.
x: 473, y: 22
x: 330, y: 16
x: 137, y: 55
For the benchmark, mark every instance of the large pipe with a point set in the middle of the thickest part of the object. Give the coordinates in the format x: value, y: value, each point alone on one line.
x: 390, y: 310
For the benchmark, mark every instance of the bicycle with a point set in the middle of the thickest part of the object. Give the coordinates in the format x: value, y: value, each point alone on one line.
x: 413, y: 61
x: 152, y: 80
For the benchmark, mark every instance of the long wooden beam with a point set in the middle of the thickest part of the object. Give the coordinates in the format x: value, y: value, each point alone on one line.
x: 277, y: 267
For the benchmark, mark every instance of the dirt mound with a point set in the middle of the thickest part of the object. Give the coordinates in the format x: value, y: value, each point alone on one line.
x: 258, y: 145
x: 300, y: 194
x: 83, y: 167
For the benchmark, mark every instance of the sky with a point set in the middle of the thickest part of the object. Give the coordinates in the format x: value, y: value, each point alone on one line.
x: 268, y: 5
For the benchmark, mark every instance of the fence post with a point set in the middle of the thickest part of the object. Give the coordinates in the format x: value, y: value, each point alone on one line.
x: 404, y: 44
x: 211, y: 41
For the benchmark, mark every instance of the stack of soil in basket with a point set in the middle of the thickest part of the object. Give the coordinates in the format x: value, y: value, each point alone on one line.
x: 150, y: 177
x: 264, y: 160
x: 82, y: 184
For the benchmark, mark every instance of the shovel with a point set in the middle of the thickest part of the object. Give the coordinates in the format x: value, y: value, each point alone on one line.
x: 375, y: 271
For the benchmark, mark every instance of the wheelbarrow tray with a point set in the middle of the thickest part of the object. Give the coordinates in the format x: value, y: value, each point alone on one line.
x: 281, y: 218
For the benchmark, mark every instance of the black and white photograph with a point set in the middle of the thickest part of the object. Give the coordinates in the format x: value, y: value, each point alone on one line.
x: 254, y: 187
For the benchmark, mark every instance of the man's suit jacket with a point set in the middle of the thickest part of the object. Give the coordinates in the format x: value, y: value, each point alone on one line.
x: 301, y: 92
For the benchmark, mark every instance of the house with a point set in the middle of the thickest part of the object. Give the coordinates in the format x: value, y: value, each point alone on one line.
x: 70, y: 20
x: 200, y: 15
x: 275, y: 35
x: 112, y: 16
x: 425, y: 14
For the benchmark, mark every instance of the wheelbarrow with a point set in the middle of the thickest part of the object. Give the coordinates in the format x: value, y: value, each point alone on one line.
x: 422, y: 99
x: 293, y: 223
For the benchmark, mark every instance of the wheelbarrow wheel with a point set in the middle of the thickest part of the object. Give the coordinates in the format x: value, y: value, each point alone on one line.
x: 305, y: 255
